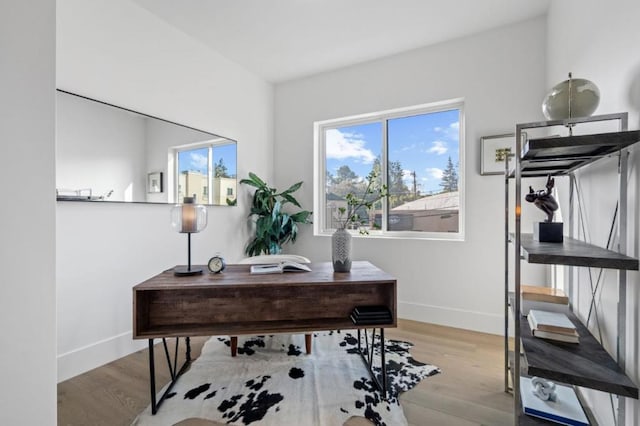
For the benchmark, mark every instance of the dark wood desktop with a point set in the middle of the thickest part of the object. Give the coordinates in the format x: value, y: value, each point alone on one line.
x: 237, y: 302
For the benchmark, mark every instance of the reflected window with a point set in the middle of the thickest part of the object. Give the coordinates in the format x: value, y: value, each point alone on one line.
x: 205, y: 166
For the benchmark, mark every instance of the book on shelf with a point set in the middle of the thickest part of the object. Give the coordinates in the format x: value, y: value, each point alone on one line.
x: 371, y: 315
x: 565, y: 410
x: 370, y: 321
x: 371, y: 310
x: 554, y: 322
x: 560, y: 337
x: 543, y: 299
x: 543, y: 294
x: 280, y: 267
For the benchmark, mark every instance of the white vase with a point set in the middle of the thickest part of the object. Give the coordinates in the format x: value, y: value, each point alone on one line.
x: 341, y: 250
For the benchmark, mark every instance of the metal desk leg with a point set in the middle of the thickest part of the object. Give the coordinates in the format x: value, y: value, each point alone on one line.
x: 155, y: 404
x: 152, y: 377
x: 367, y: 358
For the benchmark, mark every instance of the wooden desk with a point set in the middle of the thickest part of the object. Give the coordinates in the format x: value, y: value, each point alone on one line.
x: 237, y: 302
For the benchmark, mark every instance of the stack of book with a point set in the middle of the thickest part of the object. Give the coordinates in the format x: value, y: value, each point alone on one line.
x: 543, y: 298
x: 565, y: 410
x: 553, y: 326
x: 371, y: 315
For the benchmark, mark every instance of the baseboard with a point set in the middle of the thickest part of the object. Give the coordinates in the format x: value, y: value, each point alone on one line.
x: 469, y: 320
x: 81, y: 360
x: 87, y: 358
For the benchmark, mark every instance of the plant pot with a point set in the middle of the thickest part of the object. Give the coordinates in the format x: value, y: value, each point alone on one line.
x: 341, y: 250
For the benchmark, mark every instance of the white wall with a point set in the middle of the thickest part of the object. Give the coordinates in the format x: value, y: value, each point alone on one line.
x: 119, y: 53
x: 599, y: 41
x: 500, y: 74
x: 100, y: 148
x: 27, y: 218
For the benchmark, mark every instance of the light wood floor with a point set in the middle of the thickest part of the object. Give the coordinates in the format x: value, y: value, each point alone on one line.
x: 469, y: 391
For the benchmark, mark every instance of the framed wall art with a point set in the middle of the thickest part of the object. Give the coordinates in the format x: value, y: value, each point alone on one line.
x: 154, y: 182
x: 493, y: 151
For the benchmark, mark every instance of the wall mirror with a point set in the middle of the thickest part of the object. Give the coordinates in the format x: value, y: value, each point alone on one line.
x: 107, y: 153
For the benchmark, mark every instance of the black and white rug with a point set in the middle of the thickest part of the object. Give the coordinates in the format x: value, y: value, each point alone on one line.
x: 273, y: 381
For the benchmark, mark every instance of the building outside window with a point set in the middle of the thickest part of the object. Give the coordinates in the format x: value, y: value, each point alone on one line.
x: 205, y: 166
x: 418, y: 152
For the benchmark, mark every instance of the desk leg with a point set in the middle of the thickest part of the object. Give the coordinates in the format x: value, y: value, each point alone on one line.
x: 152, y: 378
x: 367, y: 358
x: 307, y: 342
x: 155, y: 403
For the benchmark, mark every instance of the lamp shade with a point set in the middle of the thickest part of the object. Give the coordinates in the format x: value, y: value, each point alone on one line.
x: 575, y: 97
x: 189, y: 217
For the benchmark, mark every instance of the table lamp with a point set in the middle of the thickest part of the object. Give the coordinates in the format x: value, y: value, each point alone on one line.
x: 188, y: 218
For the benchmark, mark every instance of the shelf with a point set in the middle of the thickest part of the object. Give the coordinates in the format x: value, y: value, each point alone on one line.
x: 584, y: 364
x: 561, y: 155
x: 574, y: 252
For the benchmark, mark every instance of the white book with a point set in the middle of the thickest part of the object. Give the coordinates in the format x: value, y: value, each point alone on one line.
x: 565, y: 410
x: 561, y: 337
x: 554, y: 322
x: 279, y: 268
x: 526, y: 306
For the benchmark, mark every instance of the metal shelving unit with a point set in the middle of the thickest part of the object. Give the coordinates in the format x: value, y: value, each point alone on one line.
x: 587, y: 364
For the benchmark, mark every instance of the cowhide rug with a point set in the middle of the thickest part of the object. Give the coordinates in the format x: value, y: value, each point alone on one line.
x: 273, y: 381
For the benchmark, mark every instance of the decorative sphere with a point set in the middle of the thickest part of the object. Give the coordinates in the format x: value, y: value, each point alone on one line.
x: 584, y: 98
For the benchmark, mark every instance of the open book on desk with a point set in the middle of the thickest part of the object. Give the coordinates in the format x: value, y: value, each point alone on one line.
x: 280, y: 267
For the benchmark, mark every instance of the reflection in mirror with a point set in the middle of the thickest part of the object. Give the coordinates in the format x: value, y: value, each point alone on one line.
x: 108, y: 153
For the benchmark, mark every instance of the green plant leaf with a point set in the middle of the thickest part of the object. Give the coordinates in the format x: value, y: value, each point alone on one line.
x: 301, y: 216
x: 290, y: 199
x: 292, y: 188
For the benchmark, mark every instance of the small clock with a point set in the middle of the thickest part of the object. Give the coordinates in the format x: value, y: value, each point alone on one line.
x: 216, y: 264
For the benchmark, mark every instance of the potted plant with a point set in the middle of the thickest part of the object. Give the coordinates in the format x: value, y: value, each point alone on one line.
x: 275, y: 226
x: 373, y: 192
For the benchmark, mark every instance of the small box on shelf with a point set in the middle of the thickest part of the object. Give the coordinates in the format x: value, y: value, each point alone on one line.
x: 548, y: 232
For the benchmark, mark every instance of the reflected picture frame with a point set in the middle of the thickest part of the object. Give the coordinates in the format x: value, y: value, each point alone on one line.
x: 493, y: 151
x: 154, y: 183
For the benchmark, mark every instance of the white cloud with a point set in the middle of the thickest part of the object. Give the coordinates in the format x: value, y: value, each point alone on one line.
x: 198, y: 161
x: 452, y: 132
x: 438, y: 147
x: 435, y: 172
x: 347, y: 145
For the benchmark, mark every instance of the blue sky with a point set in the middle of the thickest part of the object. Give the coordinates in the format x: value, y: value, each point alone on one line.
x: 422, y: 143
x: 196, y: 159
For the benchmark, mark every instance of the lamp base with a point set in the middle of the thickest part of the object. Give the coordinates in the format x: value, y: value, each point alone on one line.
x: 184, y: 271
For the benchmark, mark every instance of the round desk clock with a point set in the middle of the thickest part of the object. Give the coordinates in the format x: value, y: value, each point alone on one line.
x: 216, y: 264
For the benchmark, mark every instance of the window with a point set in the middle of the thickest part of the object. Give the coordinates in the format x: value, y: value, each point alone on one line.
x: 205, y: 166
x: 419, y: 154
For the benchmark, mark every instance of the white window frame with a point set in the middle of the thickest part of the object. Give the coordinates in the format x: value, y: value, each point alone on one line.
x: 173, y: 165
x: 319, y: 198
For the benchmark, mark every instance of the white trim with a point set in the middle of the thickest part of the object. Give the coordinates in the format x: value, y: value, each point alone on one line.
x: 319, y: 164
x: 482, y: 322
x: 94, y: 355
